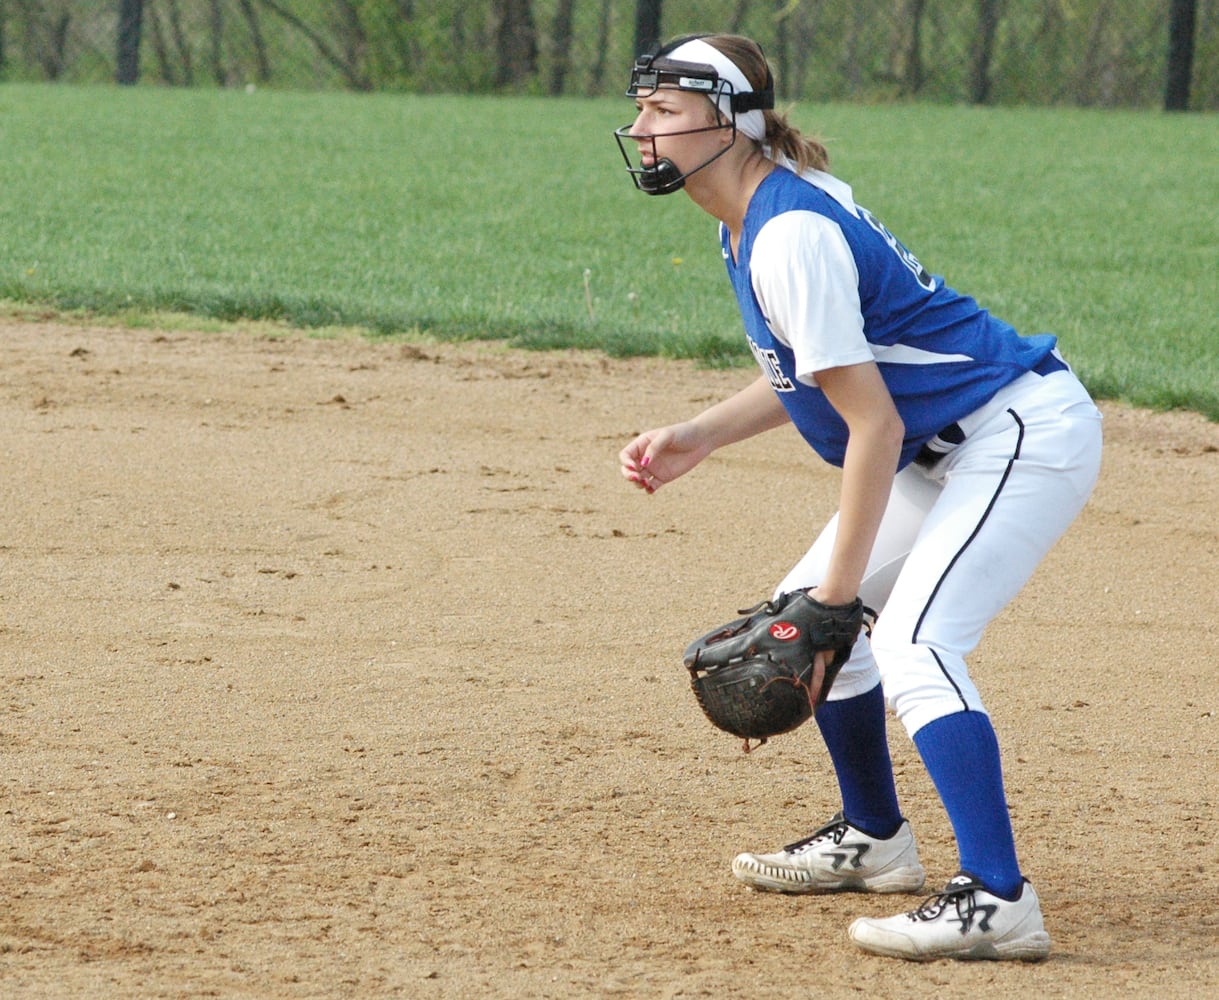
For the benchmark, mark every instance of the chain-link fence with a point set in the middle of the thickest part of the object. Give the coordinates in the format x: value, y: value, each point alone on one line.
x: 1080, y: 52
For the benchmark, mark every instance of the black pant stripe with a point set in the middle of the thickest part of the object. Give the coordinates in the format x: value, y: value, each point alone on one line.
x: 974, y: 534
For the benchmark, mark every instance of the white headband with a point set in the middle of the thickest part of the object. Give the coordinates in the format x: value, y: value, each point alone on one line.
x: 751, y: 124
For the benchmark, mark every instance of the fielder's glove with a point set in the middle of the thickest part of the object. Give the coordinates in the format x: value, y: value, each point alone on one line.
x: 752, y: 676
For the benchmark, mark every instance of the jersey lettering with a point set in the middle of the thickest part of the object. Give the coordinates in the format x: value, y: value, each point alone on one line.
x: 906, y: 257
x: 769, y: 362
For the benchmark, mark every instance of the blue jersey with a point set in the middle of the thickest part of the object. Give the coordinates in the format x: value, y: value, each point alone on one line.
x: 822, y: 283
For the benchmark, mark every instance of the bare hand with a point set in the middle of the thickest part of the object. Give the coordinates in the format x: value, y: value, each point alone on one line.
x: 660, y: 456
x: 818, y: 675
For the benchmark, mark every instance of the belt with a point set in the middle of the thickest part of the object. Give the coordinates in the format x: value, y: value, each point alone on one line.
x: 940, y: 445
x: 952, y: 435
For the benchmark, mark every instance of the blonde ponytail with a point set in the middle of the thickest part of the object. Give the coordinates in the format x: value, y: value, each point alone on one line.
x: 805, y: 152
x: 782, y: 137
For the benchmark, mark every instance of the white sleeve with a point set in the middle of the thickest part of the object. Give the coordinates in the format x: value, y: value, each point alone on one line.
x: 807, y: 283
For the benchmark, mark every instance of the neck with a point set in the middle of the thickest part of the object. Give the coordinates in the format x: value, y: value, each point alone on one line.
x: 725, y: 188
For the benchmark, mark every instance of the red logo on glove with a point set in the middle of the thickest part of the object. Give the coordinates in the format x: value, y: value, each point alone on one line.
x: 784, y: 631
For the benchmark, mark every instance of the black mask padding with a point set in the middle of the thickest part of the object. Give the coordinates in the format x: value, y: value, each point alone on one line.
x: 663, y: 178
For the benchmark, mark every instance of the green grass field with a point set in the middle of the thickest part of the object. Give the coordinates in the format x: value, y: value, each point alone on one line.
x: 512, y: 218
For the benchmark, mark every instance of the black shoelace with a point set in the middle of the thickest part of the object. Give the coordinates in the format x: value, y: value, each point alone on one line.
x: 963, y: 898
x: 835, y: 830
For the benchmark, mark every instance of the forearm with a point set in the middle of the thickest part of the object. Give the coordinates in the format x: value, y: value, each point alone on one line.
x: 874, y: 442
x: 751, y: 411
x: 867, y: 480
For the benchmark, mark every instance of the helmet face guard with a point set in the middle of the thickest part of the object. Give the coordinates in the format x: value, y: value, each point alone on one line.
x: 654, y: 72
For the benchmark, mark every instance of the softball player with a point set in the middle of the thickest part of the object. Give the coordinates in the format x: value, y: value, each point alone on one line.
x: 966, y: 450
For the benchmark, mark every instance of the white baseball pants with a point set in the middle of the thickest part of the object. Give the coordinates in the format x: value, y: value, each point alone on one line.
x: 960, y: 538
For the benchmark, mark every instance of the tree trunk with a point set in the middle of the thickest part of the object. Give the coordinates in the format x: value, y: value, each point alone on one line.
x: 216, y: 46
x: 912, y: 55
x: 160, y: 47
x: 647, y: 25
x: 1087, y: 90
x: 1182, y: 19
x: 561, y: 34
x: 596, y: 84
x: 3, y: 46
x: 59, y: 44
x: 801, y: 26
x: 516, y: 43
x: 130, y: 28
x: 352, y: 73
x: 181, y: 44
x: 984, y: 50
x: 851, y: 66
x: 404, y: 48
x: 354, y: 40
x: 45, y: 37
x: 262, y: 64
x: 737, y: 23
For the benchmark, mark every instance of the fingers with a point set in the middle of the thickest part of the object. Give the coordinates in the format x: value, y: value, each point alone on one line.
x: 818, y: 678
x: 633, y: 455
x: 639, y: 474
x: 631, y: 460
x: 634, y: 461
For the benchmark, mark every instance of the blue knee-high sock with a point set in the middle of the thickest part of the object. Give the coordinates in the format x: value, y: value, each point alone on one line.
x: 962, y: 756
x: 854, y: 734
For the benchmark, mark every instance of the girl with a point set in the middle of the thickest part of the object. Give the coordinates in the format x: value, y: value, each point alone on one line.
x: 966, y: 450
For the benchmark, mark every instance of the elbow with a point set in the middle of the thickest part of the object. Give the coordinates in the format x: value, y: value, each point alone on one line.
x: 895, y: 429
x: 880, y: 438
x: 889, y: 431
x: 889, y: 437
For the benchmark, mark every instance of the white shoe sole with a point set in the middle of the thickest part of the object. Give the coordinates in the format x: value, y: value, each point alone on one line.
x: 1033, y: 947
x: 796, y: 881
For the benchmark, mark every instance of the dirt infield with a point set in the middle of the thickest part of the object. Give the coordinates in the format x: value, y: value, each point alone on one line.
x: 337, y: 669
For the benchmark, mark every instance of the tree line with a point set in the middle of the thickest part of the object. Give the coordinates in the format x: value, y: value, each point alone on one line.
x: 1084, y: 52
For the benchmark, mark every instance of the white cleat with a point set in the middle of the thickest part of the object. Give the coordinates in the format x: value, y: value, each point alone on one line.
x: 837, y: 858
x: 965, y: 921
